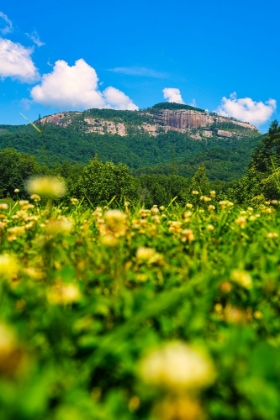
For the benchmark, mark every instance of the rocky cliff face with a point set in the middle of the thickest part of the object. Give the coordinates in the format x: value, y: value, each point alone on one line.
x: 163, y: 120
x: 183, y: 119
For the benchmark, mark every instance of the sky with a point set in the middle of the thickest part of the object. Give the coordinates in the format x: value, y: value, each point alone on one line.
x: 218, y: 55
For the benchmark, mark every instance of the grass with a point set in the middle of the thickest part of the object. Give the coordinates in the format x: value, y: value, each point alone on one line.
x: 105, y: 313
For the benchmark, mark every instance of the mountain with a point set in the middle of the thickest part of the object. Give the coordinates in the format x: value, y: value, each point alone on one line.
x: 165, y: 138
x: 161, y: 118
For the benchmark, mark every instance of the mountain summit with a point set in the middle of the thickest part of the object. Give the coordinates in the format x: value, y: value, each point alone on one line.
x: 161, y: 118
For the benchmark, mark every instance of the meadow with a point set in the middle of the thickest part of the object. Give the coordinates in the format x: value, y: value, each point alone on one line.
x: 166, y: 313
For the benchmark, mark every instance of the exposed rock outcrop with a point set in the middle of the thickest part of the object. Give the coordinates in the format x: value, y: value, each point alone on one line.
x: 183, y: 119
x: 197, y: 123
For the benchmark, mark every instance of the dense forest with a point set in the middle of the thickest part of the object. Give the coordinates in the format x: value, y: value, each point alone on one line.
x: 168, y: 153
x: 99, y: 179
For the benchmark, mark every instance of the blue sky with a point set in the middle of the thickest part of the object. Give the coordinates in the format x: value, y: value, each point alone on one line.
x: 127, y: 54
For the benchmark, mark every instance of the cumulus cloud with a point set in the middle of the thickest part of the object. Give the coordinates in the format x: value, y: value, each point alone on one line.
x: 35, y: 38
x: 6, y: 25
x: 118, y: 100
x: 76, y: 87
x: 173, y: 95
x: 139, y: 71
x: 247, y: 110
x: 16, y: 62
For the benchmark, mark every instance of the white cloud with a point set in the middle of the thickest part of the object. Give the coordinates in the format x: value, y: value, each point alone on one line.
x: 247, y: 110
x: 139, y: 71
x: 173, y: 95
x: 35, y: 38
x: 6, y: 26
x: 118, y: 100
x: 76, y: 87
x: 16, y: 62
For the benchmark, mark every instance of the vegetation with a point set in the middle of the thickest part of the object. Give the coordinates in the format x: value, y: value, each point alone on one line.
x: 230, y: 126
x: 149, y: 298
x: 170, y: 153
x: 127, y: 117
x: 134, y: 313
x: 172, y: 106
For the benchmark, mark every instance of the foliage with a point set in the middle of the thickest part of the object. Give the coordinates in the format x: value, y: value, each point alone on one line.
x: 172, y: 106
x: 262, y: 177
x: 267, y: 153
x: 127, y: 117
x: 140, y: 151
x: 88, y: 297
x: 101, y: 182
x: 232, y: 126
x: 161, y: 189
x: 15, y: 168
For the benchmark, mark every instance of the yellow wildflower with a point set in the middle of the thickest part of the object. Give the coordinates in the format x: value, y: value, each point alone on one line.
x: 241, y: 221
x: 242, y: 277
x: 177, y: 366
x: 63, y: 294
x: 213, y: 194
x: 8, y: 266
x: 187, y: 235
x: 148, y: 255
x: 61, y: 225
x: 115, y: 222
x: 47, y: 187
x: 272, y: 235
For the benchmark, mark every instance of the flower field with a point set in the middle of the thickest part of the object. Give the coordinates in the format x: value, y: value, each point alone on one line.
x: 131, y: 313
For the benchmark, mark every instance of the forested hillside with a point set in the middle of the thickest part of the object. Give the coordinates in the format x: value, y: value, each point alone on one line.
x: 168, y: 152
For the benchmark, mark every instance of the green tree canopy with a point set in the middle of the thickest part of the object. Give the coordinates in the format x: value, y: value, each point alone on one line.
x: 100, y: 182
x: 15, y: 169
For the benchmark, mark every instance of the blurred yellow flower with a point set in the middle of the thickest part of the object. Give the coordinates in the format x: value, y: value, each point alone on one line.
x: 13, y: 359
x: 148, y: 255
x: 47, y: 187
x: 241, y: 221
x: 62, y: 225
x: 213, y: 194
x: 108, y: 240
x: 115, y: 222
x: 272, y: 235
x: 8, y: 266
x: 74, y: 201
x: 180, y: 407
x: 187, y: 235
x: 177, y: 366
x: 234, y: 315
x: 35, y: 197
x: 242, y: 277
x: 63, y: 294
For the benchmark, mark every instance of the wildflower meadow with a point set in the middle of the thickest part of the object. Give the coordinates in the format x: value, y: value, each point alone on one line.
x: 133, y: 313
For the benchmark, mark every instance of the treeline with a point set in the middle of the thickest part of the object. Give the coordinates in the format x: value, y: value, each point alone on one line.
x: 98, y: 183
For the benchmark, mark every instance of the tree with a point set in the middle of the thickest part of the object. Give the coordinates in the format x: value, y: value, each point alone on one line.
x: 100, y: 182
x: 200, y: 182
x: 267, y: 153
x: 15, y: 169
